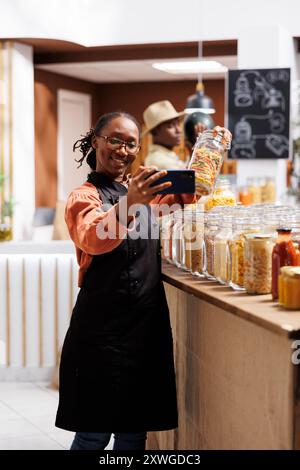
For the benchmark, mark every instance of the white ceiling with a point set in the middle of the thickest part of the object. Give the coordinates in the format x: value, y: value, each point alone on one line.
x: 131, y: 70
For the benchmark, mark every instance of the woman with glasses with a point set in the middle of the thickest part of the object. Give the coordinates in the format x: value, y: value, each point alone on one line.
x: 116, y: 372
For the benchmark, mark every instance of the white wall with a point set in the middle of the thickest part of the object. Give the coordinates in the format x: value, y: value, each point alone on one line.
x: 23, y: 140
x: 18, y: 120
x: 102, y: 22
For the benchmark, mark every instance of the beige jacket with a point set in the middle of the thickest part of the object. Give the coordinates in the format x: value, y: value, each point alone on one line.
x: 163, y: 158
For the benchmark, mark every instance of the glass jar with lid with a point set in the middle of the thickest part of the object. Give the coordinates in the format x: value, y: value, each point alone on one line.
x: 222, y: 194
x: 295, y: 225
x: 193, y: 234
x: 166, y: 236
x: 268, y: 190
x: 221, y: 250
x: 258, y: 263
x: 275, y: 217
x: 284, y: 254
x: 207, y: 159
x: 177, y: 248
x: 243, y: 225
x: 211, y: 225
x: 254, y: 189
x: 289, y: 287
x: 245, y: 197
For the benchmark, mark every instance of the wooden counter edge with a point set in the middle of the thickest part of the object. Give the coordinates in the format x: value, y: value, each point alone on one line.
x: 199, y: 288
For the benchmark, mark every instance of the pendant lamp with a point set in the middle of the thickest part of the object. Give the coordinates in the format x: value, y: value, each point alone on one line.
x: 199, y: 102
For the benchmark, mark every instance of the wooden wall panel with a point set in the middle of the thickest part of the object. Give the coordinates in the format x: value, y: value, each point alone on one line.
x: 135, y: 97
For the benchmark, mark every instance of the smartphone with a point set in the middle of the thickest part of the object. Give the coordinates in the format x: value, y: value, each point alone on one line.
x: 183, y: 181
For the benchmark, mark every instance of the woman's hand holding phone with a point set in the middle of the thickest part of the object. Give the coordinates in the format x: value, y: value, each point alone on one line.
x: 140, y: 189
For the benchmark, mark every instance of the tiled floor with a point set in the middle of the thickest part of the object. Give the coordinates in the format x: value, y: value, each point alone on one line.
x: 27, y: 414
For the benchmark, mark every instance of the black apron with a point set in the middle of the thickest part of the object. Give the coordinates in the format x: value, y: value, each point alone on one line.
x: 117, y: 368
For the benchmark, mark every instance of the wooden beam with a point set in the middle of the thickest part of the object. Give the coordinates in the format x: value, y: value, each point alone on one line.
x: 57, y: 54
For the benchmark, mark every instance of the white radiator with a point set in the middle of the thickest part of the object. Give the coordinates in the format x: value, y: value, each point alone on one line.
x: 37, y: 294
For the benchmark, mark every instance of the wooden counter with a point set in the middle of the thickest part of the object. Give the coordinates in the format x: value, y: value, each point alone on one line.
x: 259, y: 309
x: 237, y: 385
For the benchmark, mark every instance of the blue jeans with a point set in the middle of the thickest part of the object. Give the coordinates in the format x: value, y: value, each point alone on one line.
x: 99, y: 440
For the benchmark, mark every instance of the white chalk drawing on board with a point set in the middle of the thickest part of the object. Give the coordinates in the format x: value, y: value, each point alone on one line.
x: 263, y: 90
x: 243, y: 144
x: 242, y: 93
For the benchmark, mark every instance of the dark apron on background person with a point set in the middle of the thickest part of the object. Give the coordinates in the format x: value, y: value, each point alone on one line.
x: 117, y: 368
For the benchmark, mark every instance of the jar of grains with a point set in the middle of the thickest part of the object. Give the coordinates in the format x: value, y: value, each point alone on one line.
x: 177, y: 248
x: 166, y: 236
x: 211, y: 226
x: 193, y: 234
x: 221, y: 252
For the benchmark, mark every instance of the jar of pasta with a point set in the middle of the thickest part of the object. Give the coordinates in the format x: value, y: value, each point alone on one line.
x: 177, y: 245
x: 193, y: 234
x: 243, y: 225
x: 221, y: 250
x: 222, y: 195
x: 258, y: 263
x: 207, y: 159
x: 211, y: 226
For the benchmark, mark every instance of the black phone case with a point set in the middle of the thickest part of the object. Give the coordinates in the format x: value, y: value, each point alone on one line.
x: 183, y: 182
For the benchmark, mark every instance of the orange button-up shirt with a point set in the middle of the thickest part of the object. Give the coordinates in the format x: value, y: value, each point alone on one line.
x: 84, y: 216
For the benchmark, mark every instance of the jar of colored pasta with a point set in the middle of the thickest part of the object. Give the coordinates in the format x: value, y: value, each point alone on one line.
x: 207, y: 159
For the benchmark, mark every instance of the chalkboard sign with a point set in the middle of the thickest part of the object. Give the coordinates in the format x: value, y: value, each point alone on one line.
x: 259, y: 113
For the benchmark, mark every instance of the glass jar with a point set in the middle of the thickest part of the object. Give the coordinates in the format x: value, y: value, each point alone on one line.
x: 166, y: 236
x: 295, y: 224
x: 222, y: 195
x: 211, y: 226
x: 289, y: 287
x: 245, y: 197
x: 284, y: 254
x: 221, y: 250
x: 177, y: 248
x: 243, y: 225
x: 207, y: 159
x: 254, y: 189
x: 258, y: 263
x: 193, y: 234
x: 268, y: 190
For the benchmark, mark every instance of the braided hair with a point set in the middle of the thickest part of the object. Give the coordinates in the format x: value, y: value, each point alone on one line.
x: 85, y: 144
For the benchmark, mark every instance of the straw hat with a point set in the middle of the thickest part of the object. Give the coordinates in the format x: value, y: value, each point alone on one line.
x: 159, y: 112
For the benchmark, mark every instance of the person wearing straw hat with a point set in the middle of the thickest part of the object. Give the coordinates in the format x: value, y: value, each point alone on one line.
x: 163, y: 122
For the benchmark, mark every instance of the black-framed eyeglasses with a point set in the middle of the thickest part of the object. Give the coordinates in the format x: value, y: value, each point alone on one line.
x: 115, y: 143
